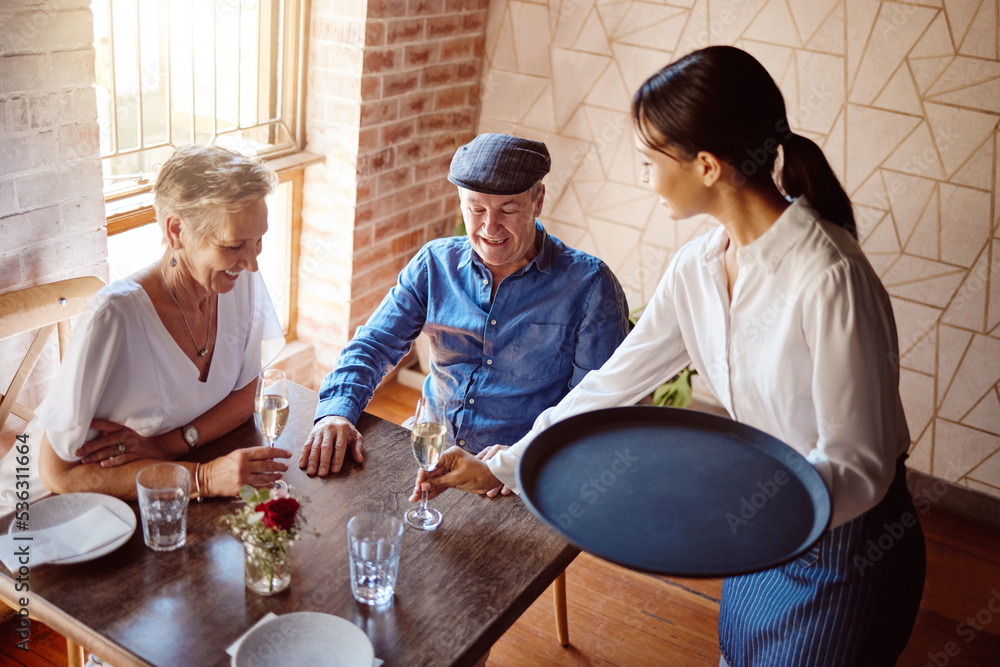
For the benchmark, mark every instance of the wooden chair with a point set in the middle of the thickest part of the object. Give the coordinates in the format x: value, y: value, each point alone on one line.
x: 559, y: 598
x: 43, y: 308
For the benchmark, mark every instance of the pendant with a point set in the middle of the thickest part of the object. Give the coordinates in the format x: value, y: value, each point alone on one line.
x: 202, y: 353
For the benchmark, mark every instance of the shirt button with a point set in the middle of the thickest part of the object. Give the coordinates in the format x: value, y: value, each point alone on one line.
x: 493, y: 321
x: 472, y: 400
x: 462, y: 443
x: 486, y: 281
x: 489, y: 362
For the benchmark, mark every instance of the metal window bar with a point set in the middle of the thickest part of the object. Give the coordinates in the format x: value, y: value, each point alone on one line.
x: 239, y: 59
x: 165, y: 72
x: 215, y: 74
x: 140, y: 133
x: 266, y: 124
x: 281, y: 43
x: 194, y: 106
x: 111, y: 83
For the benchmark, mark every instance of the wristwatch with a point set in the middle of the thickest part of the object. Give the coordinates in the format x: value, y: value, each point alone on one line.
x: 190, y: 435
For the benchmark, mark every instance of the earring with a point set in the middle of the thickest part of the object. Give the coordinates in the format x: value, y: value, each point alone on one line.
x: 173, y: 261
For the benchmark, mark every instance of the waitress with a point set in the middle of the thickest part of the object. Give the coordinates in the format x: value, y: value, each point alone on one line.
x: 782, y: 315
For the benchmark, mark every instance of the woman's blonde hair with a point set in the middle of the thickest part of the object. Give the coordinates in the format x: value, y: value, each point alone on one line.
x: 198, y: 183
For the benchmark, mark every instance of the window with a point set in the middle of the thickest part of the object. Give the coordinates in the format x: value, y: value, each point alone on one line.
x: 175, y: 72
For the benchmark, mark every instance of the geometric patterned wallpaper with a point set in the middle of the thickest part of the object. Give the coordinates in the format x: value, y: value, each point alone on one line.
x: 904, y: 98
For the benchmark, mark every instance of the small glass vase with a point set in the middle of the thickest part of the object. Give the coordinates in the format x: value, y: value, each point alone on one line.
x: 267, y: 567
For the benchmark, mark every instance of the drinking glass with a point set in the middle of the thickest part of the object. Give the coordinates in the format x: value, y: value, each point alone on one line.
x: 429, y: 439
x: 163, y: 490
x: 373, y: 542
x: 270, y: 408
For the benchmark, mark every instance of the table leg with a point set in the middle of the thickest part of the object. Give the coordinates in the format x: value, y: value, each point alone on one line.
x: 559, y: 597
x: 75, y: 656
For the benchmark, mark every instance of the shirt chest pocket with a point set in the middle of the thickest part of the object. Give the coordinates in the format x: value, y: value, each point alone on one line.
x: 540, y: 351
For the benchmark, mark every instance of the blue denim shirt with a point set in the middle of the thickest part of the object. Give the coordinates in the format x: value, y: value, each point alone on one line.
x: 499, y: 363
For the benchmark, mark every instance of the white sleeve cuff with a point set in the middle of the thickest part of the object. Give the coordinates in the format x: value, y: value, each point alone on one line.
x: 504, y: 467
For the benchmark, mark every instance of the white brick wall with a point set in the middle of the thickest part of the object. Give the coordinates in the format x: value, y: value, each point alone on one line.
x: 51, y: 204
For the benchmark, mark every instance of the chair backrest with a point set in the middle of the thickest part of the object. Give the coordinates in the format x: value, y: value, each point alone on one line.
x: 42, y: 308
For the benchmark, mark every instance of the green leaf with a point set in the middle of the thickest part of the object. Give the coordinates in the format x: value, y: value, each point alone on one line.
x: 248, y: 494
x: 676, y: 392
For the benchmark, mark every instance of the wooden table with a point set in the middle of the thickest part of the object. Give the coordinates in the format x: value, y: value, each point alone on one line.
x: 459, y: 587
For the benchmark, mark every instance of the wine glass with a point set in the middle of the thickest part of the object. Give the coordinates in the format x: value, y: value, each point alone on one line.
x: 429, y: 439
x: 270, y: 408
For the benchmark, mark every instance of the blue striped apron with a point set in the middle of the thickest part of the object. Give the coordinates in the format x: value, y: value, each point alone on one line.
x: 851, y: 600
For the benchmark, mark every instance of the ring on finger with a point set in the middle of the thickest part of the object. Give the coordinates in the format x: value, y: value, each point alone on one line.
x: 121, y: 448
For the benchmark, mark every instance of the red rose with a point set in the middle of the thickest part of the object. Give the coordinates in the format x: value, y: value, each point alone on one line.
x: 279, y: 514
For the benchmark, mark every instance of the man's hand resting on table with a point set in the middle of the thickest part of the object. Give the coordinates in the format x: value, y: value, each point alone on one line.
x: 327, y: 445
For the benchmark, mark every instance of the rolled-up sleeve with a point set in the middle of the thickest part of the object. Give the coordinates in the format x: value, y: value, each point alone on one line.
x: 378, y: 345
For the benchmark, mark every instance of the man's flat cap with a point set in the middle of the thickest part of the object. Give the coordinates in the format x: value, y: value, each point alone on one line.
x: 499, y: 164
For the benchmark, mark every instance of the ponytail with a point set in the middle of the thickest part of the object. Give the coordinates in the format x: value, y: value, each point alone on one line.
x: 806, y: 172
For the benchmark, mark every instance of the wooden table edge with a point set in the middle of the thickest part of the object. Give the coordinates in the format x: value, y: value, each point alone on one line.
x: 503, y: 623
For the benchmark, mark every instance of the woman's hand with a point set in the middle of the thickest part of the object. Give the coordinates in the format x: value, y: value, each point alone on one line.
x: 117, y: 444
x: 486, y: 455
x: 255, y: 466
x: 458, y: 469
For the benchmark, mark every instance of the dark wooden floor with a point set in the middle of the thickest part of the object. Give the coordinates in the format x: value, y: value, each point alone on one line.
x: 620, y: 617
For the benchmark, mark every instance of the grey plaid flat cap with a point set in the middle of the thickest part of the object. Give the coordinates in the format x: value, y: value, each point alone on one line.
x: 499, y: 164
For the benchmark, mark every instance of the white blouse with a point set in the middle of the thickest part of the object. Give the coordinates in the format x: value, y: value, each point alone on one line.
x: 124, y: 366
x: 806, y: 351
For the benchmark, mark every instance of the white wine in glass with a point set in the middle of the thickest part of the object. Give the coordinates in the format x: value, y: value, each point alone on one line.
x: 271, y: 416
x: 429, y: 439
x: 270, y: 408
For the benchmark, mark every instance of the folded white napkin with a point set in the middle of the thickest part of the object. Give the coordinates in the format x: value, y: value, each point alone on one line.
x: 87, y: 532
x: 231, y: 650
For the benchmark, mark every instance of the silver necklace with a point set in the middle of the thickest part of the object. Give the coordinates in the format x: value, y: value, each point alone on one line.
x: 202, y: 351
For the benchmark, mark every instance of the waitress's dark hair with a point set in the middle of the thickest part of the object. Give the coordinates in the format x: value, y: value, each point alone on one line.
x: 721, y: 100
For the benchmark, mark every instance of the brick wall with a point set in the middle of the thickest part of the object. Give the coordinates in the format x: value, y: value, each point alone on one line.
x: 333, y: 107
x: 394, y: 88
x: 51, y: 205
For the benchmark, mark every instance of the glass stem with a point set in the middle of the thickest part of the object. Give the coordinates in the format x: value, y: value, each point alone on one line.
x: 423, y: 502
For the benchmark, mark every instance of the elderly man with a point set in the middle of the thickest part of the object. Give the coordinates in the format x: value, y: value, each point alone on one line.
x: 515, y: 317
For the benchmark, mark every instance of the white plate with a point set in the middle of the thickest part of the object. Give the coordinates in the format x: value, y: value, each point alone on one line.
x: 56, y: 510
x: 305, y: 638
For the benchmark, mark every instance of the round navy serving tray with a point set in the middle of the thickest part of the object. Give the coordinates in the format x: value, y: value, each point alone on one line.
x: 674, y: 492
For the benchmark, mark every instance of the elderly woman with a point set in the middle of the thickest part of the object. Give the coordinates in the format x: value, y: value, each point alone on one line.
x: 166, y: 359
